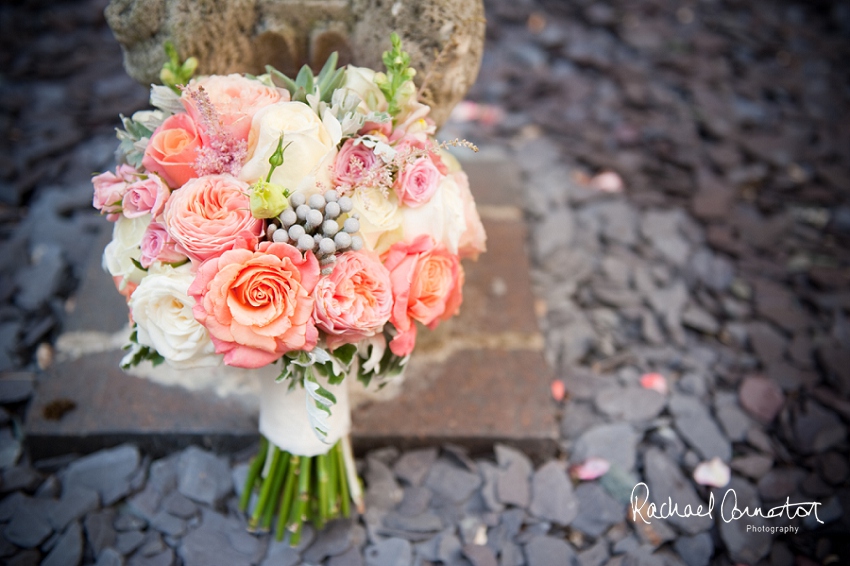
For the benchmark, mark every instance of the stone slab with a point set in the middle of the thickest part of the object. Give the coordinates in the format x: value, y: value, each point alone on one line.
x: 478, y: 379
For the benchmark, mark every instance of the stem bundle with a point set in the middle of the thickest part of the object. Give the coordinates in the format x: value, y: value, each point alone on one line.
x: 296, y: 489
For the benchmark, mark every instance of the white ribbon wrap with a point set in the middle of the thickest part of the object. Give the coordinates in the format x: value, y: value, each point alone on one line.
x: 284, y: 420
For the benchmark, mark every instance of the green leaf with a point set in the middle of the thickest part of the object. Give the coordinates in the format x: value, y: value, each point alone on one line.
x: 137, y: 264
x: 345, y: 354
x: 281, y: 80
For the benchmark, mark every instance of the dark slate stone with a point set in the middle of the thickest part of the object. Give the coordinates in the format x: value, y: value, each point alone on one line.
x: 448, y: 548
x: 110, y: 557
x: 29, y: 526
x: 146, y: 503
x: 666, y: 480
x: 655, y: 533
x: 742, y: 546
x: 350, y: 557
x: 625, y: 545
x: 126, y: 521
x: 761, y: 397
x: 99, y: 530
x: 490, y: 473
x: 549, y: 551
x: 75, y: 502
x: 390, y: 552
x: 616, y: 443
x: 128, y: 541
x: 415, y: 501
x: 597, y: 511
x: 68, y: 549
x: 179, y: 506
x: 734, y: 422
x: 424, y: 523
x: 10, y: 448
x: 817, y: 429
x: 382, y: 490
x: 699, y: 429
x: 596, y: 555
x: 552, y: 494
x: 280, y: 553
x: 168, y: 524
x: 164, y: 558
x: 10, y: 504
x: 334, y: 539
x: 511, y: 555
x: 451, y: 482
x: 513, y: 486
x: 163, y: 474
x: 695, y: 550
x: 779, y: 483
x: 19, y: 477
x: 108, y: 471
x: 202, y: 476
x: 630, y: 403
x: 479, y: 555
x: 25, y: 558
x: 37, y: 283
x: 413, y: 467
x: 212, y: 543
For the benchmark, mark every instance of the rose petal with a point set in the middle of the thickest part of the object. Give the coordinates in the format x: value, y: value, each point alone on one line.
x: 654, y: 381
x: 590, y: 469
x: 558, y: 390
x: 713, y: 473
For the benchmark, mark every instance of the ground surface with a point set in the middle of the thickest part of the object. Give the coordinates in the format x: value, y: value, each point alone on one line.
x: 722, y: 265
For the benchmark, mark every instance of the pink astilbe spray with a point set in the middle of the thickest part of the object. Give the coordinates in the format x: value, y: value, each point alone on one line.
x: 222, y: 153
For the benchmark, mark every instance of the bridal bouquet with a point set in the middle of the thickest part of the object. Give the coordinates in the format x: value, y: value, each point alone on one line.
x: 306, y: 224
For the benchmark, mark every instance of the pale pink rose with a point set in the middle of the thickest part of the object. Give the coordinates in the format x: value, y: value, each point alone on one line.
x: 173, y: 149
x: 145, y: 197
x: 407, y: 144
x: 473, y: 241
x: 258, y: 305
x: 427, y: 287
x: 158, y: 246
x: 417, y: 182
x: 109, y: 190
x: 235, y: 98
x: 355, y: 300
x: 210, y: 215
x: 352, y: 162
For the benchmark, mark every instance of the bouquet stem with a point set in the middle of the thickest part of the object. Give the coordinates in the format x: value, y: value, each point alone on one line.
x: 296, y: 489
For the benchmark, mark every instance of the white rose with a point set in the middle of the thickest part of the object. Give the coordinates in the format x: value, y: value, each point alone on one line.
x: 442, y: 217
x: 380, y: 218
x: 162, y: 309
x: 308, y: 152
x: 124, y: 248
x: 361, y: 81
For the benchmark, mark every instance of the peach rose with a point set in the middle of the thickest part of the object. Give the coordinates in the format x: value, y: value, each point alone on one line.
x: 257, y: 306
x: 355, y: 300
x: 211, y: 215
x: 427, y: 287
x: 236, y: 99
x: 145, y: 197
x: 109, y: 190
x: 473, y: 241
x: 417, y: 182
x: 173, y: 149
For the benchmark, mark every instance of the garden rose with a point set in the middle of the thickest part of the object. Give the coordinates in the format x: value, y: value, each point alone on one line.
x: 173, y: 149
x: 417, y: 182
x: 109, y: 190
x: 162, y: 310
x: 380, y: 218
x: 124, y: 248
x: 427, y: 285
x: 236, y: 99
x: 158, y: 246
x: 257, y: 305
x: 352, y: 162
x: 305, y: 157
x: 209, y: 216
x: 145, y: 197
x: 355, y: 300
x: 473, y: 240
x: 442, y: 218
x: 361, y: 81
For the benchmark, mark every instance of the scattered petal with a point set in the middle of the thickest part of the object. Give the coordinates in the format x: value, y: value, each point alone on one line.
x: 713, y: 473
x: 590, y: 469
x: 607, y: 182
x: 558, y: 390
x: 654, y: 381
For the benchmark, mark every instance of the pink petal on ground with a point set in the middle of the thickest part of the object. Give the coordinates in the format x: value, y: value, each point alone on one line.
x: 590, y: 469
x: 713, y: 473
x: 559, y: 391
x: 654, y: 381
x: 607, y: 182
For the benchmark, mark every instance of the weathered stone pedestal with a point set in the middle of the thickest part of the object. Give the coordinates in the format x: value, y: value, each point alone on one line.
x: 476, y: 380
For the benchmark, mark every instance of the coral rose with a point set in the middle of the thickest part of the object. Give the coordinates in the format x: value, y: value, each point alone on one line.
x: 258, y: 305
x: 427, y: 287
x: 109, y: 190
x: 145, y: 197
x: 355, y: 300
x: 210, y: 215
x: 235, y: 98
x: 173, y: 149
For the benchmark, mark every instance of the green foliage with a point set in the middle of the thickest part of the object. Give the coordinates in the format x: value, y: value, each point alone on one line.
x: 132, y: 141
x: 174, y: 72
x: 329, y: 79
x: 396, y: 83
x: 138, y: 353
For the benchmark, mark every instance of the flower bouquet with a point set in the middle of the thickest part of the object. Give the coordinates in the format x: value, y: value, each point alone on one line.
x: 300, y: 225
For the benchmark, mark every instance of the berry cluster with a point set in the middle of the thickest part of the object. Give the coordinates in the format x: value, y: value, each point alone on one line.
x: 322, y: 224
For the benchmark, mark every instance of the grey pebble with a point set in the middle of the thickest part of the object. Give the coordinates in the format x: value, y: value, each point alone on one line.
x: 513, y: 486
x: 413, y: 466
x: 479, y: 555
x: 68, y: 549
x: 390, y: 552
x: 163, y: 558
x: 99, y: 530
x: 334, y: 539
x: 108, y: 471
x: 666, y: 480
x: 178, y: 505
x: 76, y: 501
x: 203, y: 476
x: 29, y: 525
x: 128, y: 541
x: 168, y: 524
x: 695, y: 550
x: 350, y: 557
x: 615, y: 442
x: 552, y: 494
x: 449, y: 481
x: 110, y: 557
x: 630, y: 403
x: 549, y: 551
x: 597, y: 510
